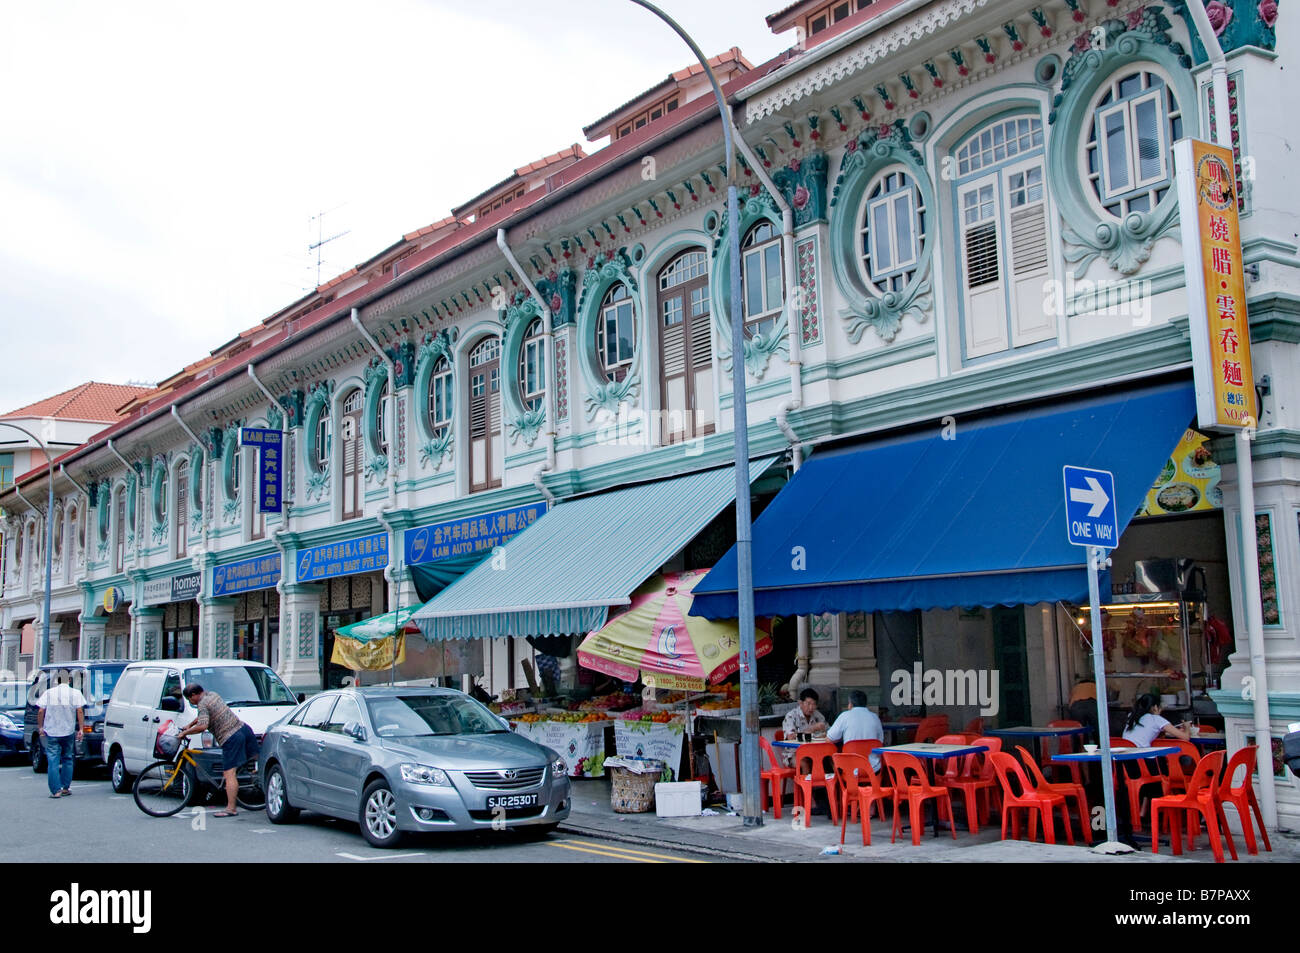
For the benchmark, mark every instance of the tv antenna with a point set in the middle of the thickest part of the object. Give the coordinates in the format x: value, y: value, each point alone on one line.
x: 321, y: 240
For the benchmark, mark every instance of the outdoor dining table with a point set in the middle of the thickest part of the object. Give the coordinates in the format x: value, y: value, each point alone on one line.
x: 1210, y: 739
x: 929, y: 753
x: 1037, y: 734
x: 1116, y: 754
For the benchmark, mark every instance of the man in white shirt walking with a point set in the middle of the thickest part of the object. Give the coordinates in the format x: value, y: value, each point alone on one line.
x: 858, y: 723
x: 59, y: 720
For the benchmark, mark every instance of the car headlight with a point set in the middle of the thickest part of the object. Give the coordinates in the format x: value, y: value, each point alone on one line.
x: 8, y: 723
x: 558, y: 767
x: 423, y: 774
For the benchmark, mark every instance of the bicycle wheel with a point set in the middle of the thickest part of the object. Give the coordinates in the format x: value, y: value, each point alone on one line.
x: 249, y: 795
x: 162, y: 789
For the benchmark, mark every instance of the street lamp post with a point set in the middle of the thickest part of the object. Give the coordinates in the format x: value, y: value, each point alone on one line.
x: 749, y: 766
x: 42, y: 656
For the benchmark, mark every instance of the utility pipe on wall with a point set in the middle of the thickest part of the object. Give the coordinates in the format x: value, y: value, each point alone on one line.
x: 82, y: 490
x: 548, y: 334
x: 113, y: 450
x: 795, y: 401
x: 392, y: 407
x: 207, y: 526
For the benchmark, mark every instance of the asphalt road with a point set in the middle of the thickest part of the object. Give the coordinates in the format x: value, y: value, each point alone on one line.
x: 94, y: 825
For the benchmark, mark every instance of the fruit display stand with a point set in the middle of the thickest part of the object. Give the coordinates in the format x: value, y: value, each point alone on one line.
x: 578, y: 738
x: 645, y: 734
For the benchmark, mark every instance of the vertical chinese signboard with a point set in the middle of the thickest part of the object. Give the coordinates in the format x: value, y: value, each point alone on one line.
x: 1216, y: 292
x: 269, y: 444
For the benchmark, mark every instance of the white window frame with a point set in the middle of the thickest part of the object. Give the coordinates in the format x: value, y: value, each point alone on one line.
x: 440, y: 392
x: 535, y: 343
x: 618, y: 370
x: 766, y: 319
x: 899, y: 266
x: 1102, y: 192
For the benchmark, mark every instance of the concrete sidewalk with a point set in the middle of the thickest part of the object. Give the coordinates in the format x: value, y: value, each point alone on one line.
x: 724, y: 837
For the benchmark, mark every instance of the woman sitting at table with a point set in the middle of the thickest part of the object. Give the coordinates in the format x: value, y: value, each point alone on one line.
x: 1145, y: 723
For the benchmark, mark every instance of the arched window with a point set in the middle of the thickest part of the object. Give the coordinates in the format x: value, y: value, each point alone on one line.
x: 379, y: 426
x: 485, y: 414
x: 119, y: 513
x: 353, y: 453
x: 1135, y: 122
x: 182, y: 488
x: 324, y: 436
x: 1001, y: 200
x: 616, y: 333
x: 76, y: 529
x: 892, y: 226
x: 58, y: 536
x: 685, y: 348
x: 532, y: 366
x: 761, y: 273
x: 440, y: 398
x: 18, y: 549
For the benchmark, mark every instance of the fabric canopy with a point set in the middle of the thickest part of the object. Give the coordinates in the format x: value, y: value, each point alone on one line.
x: 974, y: 516
x: 561, y: 574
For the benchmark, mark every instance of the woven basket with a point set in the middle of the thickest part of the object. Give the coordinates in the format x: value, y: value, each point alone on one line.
x: 631, y: 793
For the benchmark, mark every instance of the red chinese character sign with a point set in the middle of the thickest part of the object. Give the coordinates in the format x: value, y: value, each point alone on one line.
x: 1216, y: 292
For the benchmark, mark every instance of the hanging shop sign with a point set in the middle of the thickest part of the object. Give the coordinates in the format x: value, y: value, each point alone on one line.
x: 247, y: 575
x: 113, y: 599
x: 269, y: 444
x: 1216, y: 292
x: 1189, y: 481
x: 473, y: 534
x: 363, y: 554
x: 171, y: 589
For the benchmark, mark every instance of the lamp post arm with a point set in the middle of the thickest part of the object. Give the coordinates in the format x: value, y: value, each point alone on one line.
x: 42, y: 655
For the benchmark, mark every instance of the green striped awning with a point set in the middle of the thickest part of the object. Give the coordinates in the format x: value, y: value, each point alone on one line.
x: 561, y: 575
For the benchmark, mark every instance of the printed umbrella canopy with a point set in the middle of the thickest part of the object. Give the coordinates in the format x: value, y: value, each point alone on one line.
x: 657, y: 639
x: 397, y: 622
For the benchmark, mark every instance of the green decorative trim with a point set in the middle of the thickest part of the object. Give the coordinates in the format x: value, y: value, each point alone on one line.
x: 158, y: 492
x: 803, y: 183
x: 1086, y: 233
x: 376, y: 376
x: 895, y: 356
x: 603, y: 272
x: 229, y: 455
x: 1274, y: 317
x: 875, y: 149
x: 292, y: 406
x: 763, y: 391
x: 759, y: 349
x: 559, y: 290
x: 1248, y: 23
x: 525, y: 458
x: 195, y: 489
x: 433, y: 448
x: 318, y: 402
x: 1283, y: 707
x: 1271, y: 444
x: 521, y: 422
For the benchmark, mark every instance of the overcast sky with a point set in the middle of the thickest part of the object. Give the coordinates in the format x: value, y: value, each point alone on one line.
x: 160, y: 163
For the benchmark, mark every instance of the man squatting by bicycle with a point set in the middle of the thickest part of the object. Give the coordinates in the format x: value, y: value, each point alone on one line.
x: 236, y: 739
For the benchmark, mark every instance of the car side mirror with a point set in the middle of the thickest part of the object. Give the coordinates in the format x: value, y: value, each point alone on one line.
x: 504, y: 724
x: 354, y: 731
x: 170, y: 703
x: 302, y: 697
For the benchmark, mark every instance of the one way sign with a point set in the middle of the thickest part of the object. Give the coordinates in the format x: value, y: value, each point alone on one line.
x: 1090, y: 507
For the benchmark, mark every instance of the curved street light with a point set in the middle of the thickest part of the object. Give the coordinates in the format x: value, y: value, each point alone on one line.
x: 749, y: 726
x: 42, y: 655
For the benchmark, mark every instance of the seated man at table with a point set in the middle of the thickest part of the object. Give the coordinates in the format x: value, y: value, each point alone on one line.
x: 858, y: 723
x: 803, y: 719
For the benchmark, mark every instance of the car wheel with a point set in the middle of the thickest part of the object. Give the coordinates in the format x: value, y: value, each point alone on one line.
x: 122, y: 781
x: 38, y: 755
x: 379, y: 815
x: 278, y: 808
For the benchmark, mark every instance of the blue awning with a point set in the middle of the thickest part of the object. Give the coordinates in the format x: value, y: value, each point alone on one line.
x: 561, y: 574
x: 970, y: 517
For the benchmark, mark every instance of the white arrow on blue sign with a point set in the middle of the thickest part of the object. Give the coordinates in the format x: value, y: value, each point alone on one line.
x: 1090, y: 507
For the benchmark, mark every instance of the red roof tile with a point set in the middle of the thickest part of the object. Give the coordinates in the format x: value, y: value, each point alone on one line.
x: 88, y: 401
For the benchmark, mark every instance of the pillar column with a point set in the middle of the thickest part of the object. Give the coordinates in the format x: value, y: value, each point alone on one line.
x: 92, y: 636
x: 10, y: 641
x: 56, y: 628
x: 300, y: 636
x: 216, y: 627
x: 146, y: 632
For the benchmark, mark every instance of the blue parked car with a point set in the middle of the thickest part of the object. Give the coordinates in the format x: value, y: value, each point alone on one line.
x: 13, y: 699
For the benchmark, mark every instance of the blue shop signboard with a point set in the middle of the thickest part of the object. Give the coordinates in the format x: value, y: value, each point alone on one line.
x: 364, y: 554
x: 269, y: 444
x: 261, y: 572
x: 473, y: 534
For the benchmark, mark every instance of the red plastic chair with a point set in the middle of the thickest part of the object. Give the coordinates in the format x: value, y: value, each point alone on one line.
x: 1243, y: 796
x: 1176, y: 779
x: 931, y: 728
x: 1019, y: 795
x: 1133, y: 785
x: 1067, y: 789
x: 816, y: 753
x: 863, y: 748
x: 775, y: 777
x: 908, y: 778
x: 1200, y: 801
x: 972, y: 774
x: 1064, y: 744
x: 859, y: 788
x: 975, y: 727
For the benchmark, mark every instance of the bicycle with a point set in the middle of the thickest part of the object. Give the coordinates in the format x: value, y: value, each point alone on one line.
x: 166, y: 787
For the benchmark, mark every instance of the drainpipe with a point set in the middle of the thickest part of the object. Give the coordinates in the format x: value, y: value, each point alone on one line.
x: 82, y: 510
x: 176, y: 415
x: 549, y: 333
x: 1245, y: 464
x: 113, y: 450
x: 795, y: 400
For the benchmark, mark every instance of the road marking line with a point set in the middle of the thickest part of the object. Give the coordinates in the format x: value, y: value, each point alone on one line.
x: 384, y: 857
x: 638, y: 853
x: 604, y: 853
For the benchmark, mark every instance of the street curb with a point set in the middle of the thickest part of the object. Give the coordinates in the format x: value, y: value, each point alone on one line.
x: 721, y: 852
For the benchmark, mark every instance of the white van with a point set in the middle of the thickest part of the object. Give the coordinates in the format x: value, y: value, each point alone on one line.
x: 145, y: 698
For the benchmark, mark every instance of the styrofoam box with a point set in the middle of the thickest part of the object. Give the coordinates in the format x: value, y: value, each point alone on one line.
x: 677, y: 798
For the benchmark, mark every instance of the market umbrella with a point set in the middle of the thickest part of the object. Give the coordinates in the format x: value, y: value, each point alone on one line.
x: 397, y: 622
x: 374, y: 644
x: 657, y: 639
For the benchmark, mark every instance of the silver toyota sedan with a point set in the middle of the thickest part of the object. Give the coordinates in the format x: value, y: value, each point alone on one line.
x: 409, y: 759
